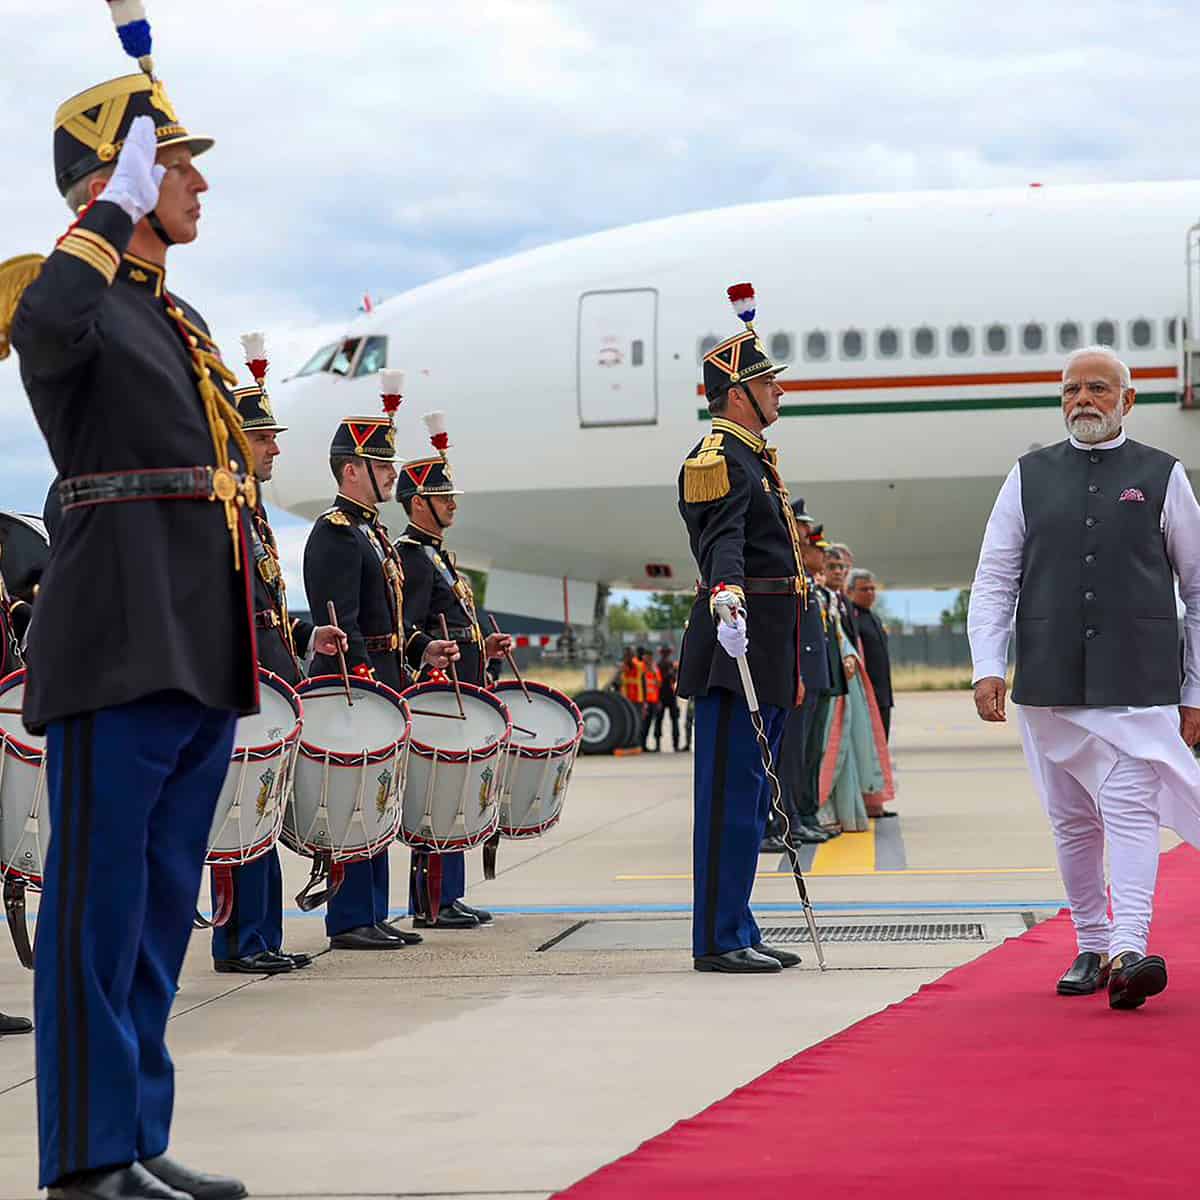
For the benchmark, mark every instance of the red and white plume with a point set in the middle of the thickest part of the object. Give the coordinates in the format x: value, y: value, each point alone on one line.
x: 741, y: 296
x: 435, y: 422
x: 254, y: 345
x: 391, y: 387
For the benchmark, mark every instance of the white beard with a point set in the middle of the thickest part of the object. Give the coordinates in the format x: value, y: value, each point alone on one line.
x: 1092, y: 429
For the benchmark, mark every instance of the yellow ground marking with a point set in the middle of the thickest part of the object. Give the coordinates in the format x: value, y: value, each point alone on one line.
x: 850, y: 854
x: 860, y: 874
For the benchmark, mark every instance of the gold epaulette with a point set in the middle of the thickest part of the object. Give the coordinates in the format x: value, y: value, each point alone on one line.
x: 15, y: 276
x: 335, y: 516
x: 706, y: 475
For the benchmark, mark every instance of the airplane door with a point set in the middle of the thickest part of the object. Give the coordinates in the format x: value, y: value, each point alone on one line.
x: 618, y: 375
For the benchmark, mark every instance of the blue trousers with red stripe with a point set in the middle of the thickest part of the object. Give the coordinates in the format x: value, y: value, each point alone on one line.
x: 732, y: 799
x: 454, y: 881
x: 363, y: 897
x: 256, y: 920
x: 132, y: 792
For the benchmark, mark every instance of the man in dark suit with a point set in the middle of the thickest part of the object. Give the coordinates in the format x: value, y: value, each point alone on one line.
x: 874, y: 640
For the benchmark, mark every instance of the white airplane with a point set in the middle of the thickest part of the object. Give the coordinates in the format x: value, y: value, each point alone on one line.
x: 924, y: 332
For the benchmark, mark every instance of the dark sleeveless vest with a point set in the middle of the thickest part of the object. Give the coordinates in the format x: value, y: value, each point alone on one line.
x: 1096, y: 618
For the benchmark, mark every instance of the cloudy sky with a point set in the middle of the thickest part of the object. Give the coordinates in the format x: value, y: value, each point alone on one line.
x: 370, y: 145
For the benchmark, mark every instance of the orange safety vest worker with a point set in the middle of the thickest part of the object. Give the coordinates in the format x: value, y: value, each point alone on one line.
x: 653, y: 683
x: 632, y: 686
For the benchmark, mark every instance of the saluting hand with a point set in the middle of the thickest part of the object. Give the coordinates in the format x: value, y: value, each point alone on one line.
x: 990, y: 694
x: 497, y: 645
x: 440, y: 655
x: 135, y: 181
x: 329, y: 639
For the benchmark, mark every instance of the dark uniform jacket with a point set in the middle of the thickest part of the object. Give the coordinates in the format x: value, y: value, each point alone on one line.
x: 814, y: 644
x: 743, y: 535
x: 849, y: 614
x: 875, y: 651
x: 350, y: 560
x: 282, y: 639
x: 141, y: 596
x: 828, y: 600
x: 433, y: 588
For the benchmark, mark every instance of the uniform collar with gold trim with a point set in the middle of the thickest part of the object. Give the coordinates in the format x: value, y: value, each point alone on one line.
x: 725, y: 425
x: 417, y: 534
x: 364, y: 512
x: 142, y: 274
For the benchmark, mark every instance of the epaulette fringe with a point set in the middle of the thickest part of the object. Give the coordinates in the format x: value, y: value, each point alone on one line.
x: 16, y: 274
x: 705, y: 478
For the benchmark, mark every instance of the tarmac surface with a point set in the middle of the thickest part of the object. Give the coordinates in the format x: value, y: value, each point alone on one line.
x: 513, y: 1060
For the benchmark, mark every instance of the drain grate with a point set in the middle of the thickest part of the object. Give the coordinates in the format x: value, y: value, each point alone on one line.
x: 960, y: 931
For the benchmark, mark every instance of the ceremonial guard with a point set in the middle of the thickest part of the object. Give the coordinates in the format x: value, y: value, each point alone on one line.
x: 746, y: 545
x: 435, y: 590
x: 349, y: 560
x: 141, y: 655
x: 1084, y: 547
x: 251, y: 941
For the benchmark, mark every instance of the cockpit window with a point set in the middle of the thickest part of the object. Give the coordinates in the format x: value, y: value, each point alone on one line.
x: 343, y: 359
x: 373, y: 357
x: 319, y: 361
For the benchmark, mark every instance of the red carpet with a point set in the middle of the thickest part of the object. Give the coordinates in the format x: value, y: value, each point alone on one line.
x: 985, y: 1084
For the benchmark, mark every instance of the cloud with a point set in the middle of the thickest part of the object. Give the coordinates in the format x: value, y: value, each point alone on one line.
x: 372, y: 145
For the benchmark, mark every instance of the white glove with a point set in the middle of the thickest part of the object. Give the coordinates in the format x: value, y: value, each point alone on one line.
x: 135, y: 182
x: 733, y: 637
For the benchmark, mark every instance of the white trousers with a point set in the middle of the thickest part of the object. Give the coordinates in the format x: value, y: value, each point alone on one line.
x: 1094, y: 792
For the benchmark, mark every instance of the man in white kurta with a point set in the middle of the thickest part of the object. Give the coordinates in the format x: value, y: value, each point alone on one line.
x: 1084, y: 546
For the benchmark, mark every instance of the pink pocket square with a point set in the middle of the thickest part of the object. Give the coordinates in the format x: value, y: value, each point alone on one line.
x: 1133, y: 495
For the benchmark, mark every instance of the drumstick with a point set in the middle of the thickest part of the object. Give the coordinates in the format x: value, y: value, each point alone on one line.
x: 512, y: 664
x: 425, y: 712
x: 462, y: 712
x: 341, y: 656
x: 11, y: 712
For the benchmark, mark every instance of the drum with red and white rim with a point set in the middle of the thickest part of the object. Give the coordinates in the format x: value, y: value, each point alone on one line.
x: 547, y: 730
x: 345, y: 805
x: 24, y: 805
x: 452, y: 796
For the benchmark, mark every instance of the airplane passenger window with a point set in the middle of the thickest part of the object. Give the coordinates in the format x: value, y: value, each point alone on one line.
x: 1069, y: 337
x: 1171, y: 329
x: 781, y: 347
x: 708, y: 343
x: 853, y: 344
x: 816, y: 345
x: 924, y: 341
x: 637, y: 352
x: 887, y: 343
x: 996, y: 339
x: 319, y: 361
x: 1106, y: 333
x: 960, y: 339
x: 343, y: 360
x: 1141, y: 335
x: 373, y: 358
x: 1033, y: 339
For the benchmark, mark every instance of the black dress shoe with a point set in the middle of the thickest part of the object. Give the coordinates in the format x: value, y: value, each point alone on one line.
x: 738, y: 962
x: 113, y: 1183
x: 265, y: 962
x: 1087, y: 974
x: 772, y: 845
x: 401, y: 935
x: 883, y: 813
x: 785, y: 958
x: 299, y: 961
x: 12, y: 1025
x: 194, y: 1183
x: 1133, y: 978
x: 448, y: 918
x: 806, y: 835
x: 364, y: 937
x: 480, y: 914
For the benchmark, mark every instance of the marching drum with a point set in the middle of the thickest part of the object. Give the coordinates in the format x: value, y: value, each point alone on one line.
x: 24, y: 812
x: 452, y: 797
x: 546, y: 734
x: 345, y: 805
x: 250, y: 808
